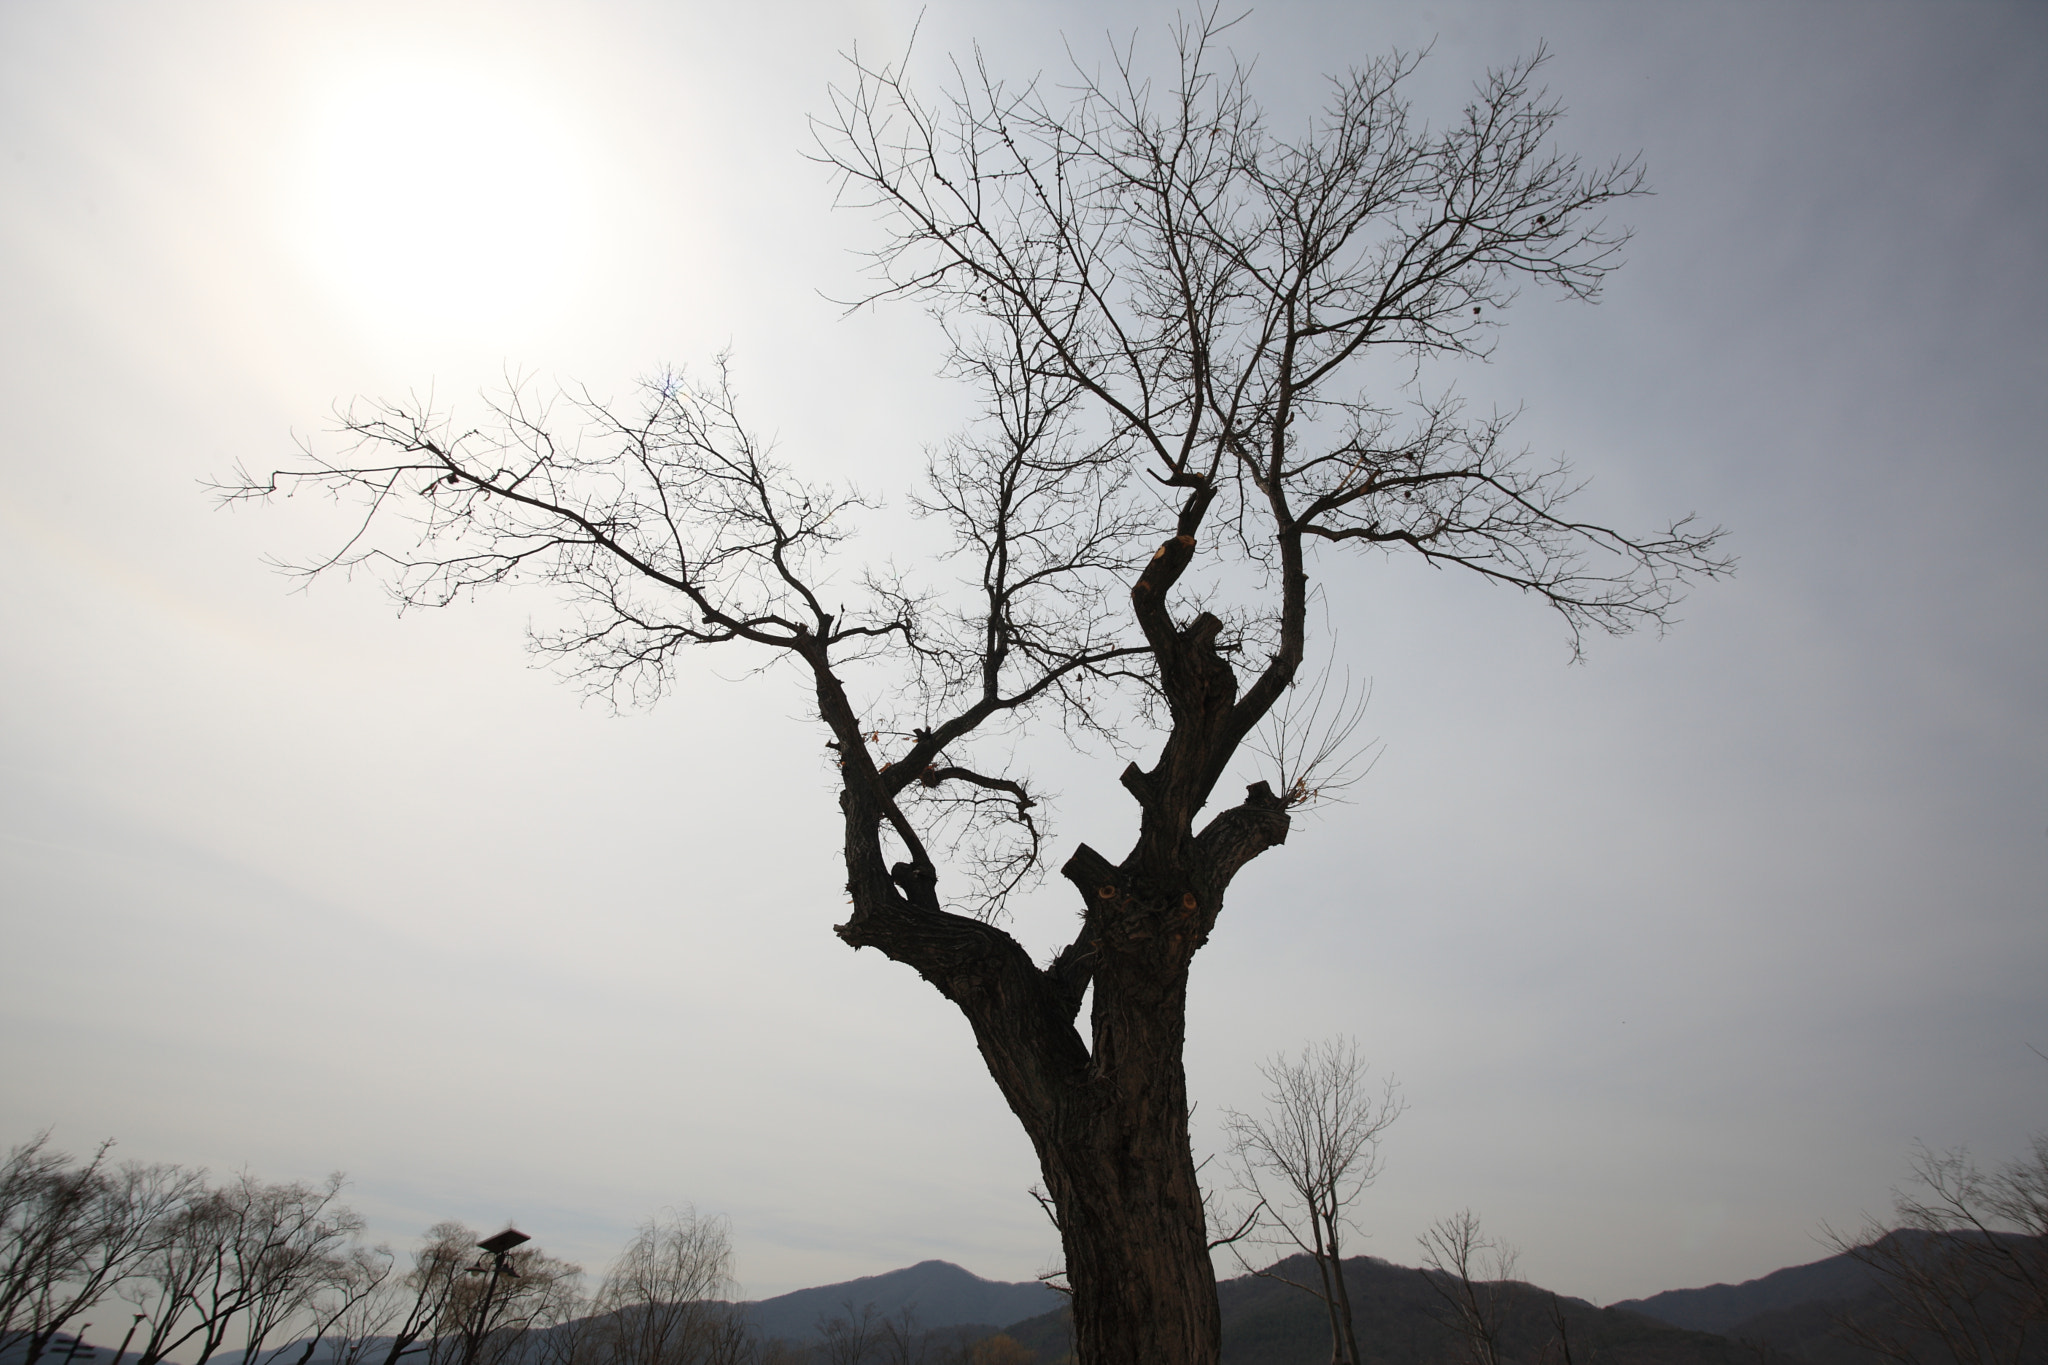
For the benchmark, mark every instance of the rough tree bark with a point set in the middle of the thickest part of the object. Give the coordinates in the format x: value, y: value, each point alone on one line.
x: 1174, y: 318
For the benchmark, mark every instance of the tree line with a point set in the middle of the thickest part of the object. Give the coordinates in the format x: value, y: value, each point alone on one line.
x: 279, y: 1273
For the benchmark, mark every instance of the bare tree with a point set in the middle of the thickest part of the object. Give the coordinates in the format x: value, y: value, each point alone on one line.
x: 352, y: 1311
x: 187, y: 1287
x: 904, y: 1339
x: 852, y: 1335
x: 69, y: 1235
x: 42, y: 1205
x: 297, y: 1247
x: 490, y: 1311
x: 1963, y: 1268
x: 664, y: 1301
x: 422, y: 1302
x: 247, y: 1253
x: 1473, y: 1277
x: 731, y: 1340
x: 1201, y: 349
x: 438, y: 1307
x: 1306, y: 1162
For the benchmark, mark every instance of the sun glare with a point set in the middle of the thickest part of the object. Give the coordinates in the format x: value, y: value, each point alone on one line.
x: 443, y: 202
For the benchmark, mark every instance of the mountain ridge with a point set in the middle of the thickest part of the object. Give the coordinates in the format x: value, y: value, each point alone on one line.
x: 1721, y: 1308
x: 943, y: 1295
x: 1791, y: 1315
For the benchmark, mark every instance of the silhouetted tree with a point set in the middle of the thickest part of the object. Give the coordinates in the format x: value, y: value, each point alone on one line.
x: 351, y: 1312
x: 421, y: 1303
x: 1200, y: 346
x: 248, y: 1253
x: 851, y: 1336
x: 302, y: 1248
x: 904, y: 1341
x: 71, y: 1234
x: 1963, y: 1269
x: 44, y: 1207
x: 664, y: 1301
x: 1473, y: 1278
x: 486, y: 1317
x: 1306, y: 1161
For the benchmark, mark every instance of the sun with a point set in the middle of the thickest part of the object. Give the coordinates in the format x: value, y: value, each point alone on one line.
x: 442, y: 201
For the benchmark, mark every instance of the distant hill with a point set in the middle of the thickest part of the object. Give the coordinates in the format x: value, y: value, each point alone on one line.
x: 1266, y: 1322
x: 953, y: 1306
x: 943, y: 1294
x: 1815, y: 1313
x: 1724, y: 1307
x: 1789, y: 1317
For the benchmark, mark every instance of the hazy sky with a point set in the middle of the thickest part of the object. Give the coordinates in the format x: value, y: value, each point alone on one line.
x: 1675, y: 953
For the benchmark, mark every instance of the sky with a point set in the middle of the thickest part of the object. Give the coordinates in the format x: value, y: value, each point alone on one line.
x: 1675, y: 953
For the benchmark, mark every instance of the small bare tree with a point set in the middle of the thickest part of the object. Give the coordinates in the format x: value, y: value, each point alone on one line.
x: 852, y: 1336
x: 71, y: 1234
x: 730, y: 1339
x: 1473, y: 1277
x: 1963, y: 1268
x: 298, y: 1246
x: 440, y: 1308
x: 1200, y: 346
x: 352, y: 1312
x: 247, y: 1253
x: 45, y: 1218
x: 489, y: 1313
x: 1305, y: 1162
x: 904, y: 1339
x: 664, y: 1301
x: 421, y: 1303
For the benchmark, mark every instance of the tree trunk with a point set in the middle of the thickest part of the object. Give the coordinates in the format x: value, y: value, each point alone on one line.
x: 1342, y: 1308
x: 1138, y: 1260
x: 1120, y: 1171
x: 1109, y: 1115
x: 1109, y: 1123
